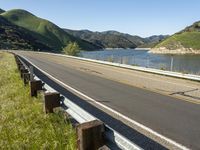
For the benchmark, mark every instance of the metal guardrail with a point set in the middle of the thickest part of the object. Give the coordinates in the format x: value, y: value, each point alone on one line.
x: 148, y: 70
x: 81, y: 116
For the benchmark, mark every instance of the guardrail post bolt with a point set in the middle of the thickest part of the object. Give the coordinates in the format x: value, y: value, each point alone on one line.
x: 52, y: 100
x: 35, y: 86
x: 90, y: 135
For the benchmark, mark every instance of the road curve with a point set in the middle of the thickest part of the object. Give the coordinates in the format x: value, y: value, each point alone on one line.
x: 176, y: 119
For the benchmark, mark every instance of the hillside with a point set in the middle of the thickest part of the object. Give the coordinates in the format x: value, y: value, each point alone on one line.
x: 15, y: 37
x: 114, y: 39
x: 109, y: 39
x: 186, y: 41
x: 44, y: 30
x: 153, y: 41
x: 2, y: 11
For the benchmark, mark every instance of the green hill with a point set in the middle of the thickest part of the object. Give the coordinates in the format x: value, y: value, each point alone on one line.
x: 15, y: 37
x: 185, y: 41
x: 44, y: 30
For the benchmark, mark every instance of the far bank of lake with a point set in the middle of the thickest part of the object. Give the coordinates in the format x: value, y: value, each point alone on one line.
x: 141, y: 57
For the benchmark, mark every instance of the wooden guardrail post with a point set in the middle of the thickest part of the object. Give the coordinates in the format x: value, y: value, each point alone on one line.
x: 26, y: 77
x: 22, y: 71
x: 31, y: 73
x: 90, y: 135
x: 52, y: 100
x: 35, y: 85
x: 16, y: 58
x: 19, y: 65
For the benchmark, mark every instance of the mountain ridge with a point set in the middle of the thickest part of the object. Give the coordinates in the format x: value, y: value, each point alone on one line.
x: 114, y: 39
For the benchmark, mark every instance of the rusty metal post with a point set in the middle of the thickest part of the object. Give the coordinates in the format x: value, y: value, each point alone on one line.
x: 90, y: 135
x: 35, y: 86
x: 52, y: 100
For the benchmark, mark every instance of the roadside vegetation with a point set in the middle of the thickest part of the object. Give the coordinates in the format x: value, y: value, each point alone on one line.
x: 23, y: 123
x: 72, y: 49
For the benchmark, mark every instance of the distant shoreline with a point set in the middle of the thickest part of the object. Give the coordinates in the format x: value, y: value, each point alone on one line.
x: 181, y: 51
x: 127, y: 48
x: 138, y: 49
x: 117, y: 48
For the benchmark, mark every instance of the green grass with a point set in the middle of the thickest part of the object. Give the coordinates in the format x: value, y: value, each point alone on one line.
x: 186, y: 39
x: 23, y: 123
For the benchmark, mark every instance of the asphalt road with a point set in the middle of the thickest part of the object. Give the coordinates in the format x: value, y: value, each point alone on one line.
x: 176, y: 119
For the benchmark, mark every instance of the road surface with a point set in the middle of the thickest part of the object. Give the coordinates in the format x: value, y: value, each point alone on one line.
x: 175, y: 118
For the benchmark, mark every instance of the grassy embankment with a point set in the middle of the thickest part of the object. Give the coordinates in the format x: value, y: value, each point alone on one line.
x: 23, y: 124
x: 185, y: 39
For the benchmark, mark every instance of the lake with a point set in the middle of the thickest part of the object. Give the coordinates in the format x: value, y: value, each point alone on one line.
x: 178, y: 63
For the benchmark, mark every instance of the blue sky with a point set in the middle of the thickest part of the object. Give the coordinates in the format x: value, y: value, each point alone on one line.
x: 136, y: 17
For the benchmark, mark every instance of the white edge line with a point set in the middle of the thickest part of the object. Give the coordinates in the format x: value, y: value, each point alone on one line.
x: 115, y: 112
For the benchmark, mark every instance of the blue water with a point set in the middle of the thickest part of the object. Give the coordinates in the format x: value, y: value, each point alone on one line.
x: 179, y: 63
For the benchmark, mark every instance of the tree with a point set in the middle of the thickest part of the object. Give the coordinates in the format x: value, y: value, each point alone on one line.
x: 72, y: 49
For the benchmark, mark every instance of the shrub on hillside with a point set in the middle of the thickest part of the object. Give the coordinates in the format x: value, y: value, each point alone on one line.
x: 72, y: 49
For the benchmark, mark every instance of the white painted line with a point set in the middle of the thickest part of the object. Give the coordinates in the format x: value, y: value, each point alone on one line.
x: 113, y: 111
